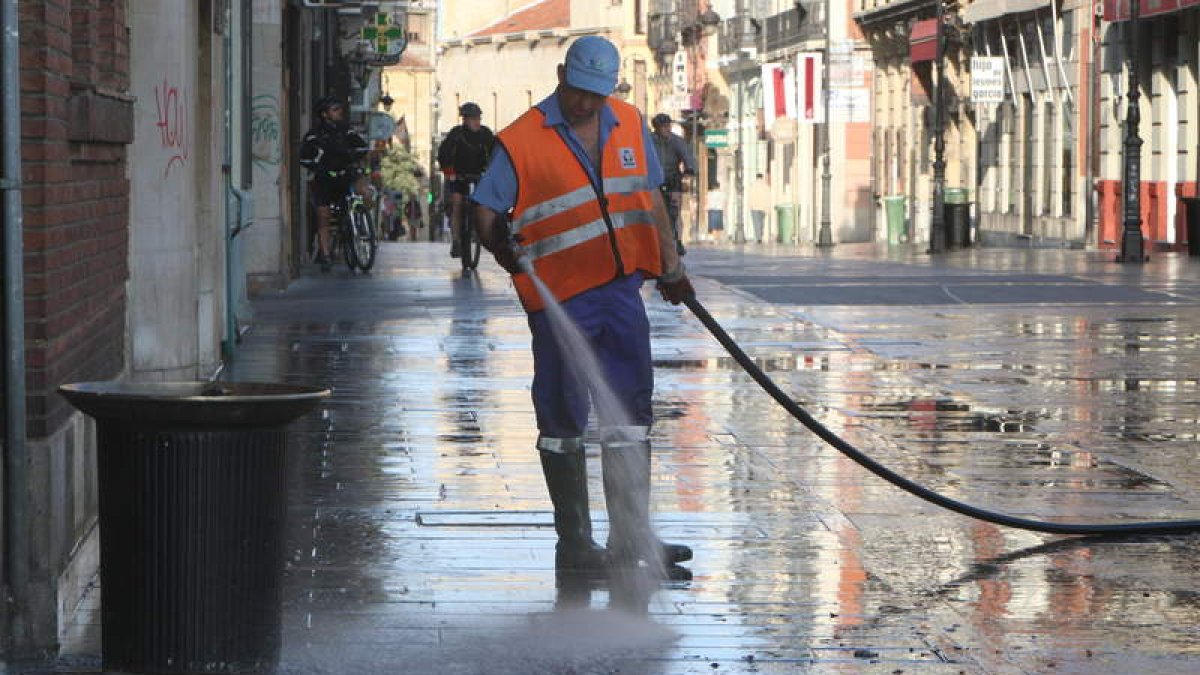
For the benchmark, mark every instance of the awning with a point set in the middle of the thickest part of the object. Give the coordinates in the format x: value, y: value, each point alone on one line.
x: 922, y: 41
x: 986, y: 10
x: 1118, y: 10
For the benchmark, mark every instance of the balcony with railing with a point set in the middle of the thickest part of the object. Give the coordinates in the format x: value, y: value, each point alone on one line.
x: 793, y: 27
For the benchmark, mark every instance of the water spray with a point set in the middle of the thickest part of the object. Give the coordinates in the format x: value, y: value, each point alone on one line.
x: 627, y: 467
x: 841, y: 445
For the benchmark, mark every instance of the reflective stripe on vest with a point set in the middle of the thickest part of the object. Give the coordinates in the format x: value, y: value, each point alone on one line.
x: 596, y: 228
x: 575, y: 198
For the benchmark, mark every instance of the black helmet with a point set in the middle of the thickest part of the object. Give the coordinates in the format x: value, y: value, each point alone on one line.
x: 470, y: 110
x: 661, y: 118
x: 326, y: 102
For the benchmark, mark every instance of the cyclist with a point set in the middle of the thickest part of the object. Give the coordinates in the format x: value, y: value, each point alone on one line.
x: 332, y: 151
x: 463, y: 155
x: 677, y: 162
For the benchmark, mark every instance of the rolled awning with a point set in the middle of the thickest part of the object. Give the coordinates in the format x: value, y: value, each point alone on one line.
x: 986, y: 10
x: 1118, y: 10
x: 922, y: 41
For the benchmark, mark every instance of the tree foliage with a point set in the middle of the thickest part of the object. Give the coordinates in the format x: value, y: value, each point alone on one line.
x: 401, y: 172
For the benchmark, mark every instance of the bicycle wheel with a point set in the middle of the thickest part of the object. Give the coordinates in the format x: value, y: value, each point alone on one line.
x: 364, y: 241
x: 469, y: 243
x: 345, y: 239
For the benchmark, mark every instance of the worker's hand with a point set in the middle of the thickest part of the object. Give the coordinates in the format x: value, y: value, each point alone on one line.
x: 675, y: 286
x: 509, y: 258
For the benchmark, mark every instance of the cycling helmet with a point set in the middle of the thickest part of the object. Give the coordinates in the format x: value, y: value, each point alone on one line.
x: 470, y: 110
x: 661, y: 118
x: 326, y: 102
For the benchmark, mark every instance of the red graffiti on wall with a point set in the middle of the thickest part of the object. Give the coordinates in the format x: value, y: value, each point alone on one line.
x: 172, y: 124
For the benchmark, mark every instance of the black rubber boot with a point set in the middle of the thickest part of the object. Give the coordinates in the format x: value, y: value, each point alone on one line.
x: 627, y: 493
x: 566, y: 480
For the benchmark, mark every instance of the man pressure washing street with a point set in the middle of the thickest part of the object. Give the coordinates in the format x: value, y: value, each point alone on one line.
x: 578, y: 177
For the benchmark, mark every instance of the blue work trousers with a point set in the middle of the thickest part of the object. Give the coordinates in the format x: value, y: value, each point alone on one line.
x: 613, y: 320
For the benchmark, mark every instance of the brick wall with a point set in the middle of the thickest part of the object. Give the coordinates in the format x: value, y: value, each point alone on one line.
x: 76, y: 122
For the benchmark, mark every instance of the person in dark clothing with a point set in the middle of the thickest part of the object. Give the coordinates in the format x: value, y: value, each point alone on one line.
x: 677, y: 161
x: 463, y: 155
x: 332, y: 151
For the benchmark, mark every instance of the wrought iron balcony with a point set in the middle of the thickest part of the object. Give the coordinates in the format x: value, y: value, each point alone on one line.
x: 737, y: 33
x: 662, y: 35
x: 789, y: 28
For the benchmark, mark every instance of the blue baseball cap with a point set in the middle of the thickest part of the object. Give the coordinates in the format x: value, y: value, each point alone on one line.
x: 592, y: 64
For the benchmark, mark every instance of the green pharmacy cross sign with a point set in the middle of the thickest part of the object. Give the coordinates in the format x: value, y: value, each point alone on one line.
x: 387, y: 37
x: 716, y: 138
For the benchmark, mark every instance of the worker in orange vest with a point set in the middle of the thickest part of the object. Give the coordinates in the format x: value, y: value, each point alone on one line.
x: 572, y: 193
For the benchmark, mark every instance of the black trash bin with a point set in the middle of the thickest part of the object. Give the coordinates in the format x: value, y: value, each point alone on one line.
x: 193, y: 499
x: 1192, y: 215
x: 957, y: 214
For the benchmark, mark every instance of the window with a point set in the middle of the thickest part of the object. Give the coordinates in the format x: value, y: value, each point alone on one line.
x: 1049, y: 139
x: 1068, y: 159
x: 1067, y: 35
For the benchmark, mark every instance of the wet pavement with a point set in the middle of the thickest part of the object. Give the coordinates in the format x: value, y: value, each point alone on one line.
x: 1054, y: 385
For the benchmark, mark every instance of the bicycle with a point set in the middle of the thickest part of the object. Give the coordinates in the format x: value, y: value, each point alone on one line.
x: 353, y: 233
x: 468, y: 242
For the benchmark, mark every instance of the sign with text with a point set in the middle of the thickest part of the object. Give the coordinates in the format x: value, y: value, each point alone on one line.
x: 987, y: 79
x: 851, y: 104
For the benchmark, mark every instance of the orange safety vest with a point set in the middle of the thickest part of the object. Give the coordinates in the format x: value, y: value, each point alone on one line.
x: 576, y: 240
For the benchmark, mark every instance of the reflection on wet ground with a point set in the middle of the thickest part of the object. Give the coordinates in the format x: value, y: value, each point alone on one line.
x: 1050, y: 384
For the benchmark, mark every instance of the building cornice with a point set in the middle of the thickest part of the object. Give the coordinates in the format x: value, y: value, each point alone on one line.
x: 892, y: 12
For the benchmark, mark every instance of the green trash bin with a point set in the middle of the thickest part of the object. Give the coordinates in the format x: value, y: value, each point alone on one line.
x: 956, y: 212
x: 893, y: 208
x: 786, y: 223
x: 955, y: 195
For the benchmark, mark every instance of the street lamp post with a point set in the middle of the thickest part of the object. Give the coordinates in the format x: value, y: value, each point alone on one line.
x: 937, y: 223
x: 1132, y: 244
x: 741, y: 64
x: 825, y: 233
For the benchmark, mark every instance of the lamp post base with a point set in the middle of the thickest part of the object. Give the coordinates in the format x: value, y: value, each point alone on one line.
x: 1133, y: 247
x: 825, y: 236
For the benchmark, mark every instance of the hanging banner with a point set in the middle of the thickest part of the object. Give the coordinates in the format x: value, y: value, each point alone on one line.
x: 778, y: 94
x: 810, y: 105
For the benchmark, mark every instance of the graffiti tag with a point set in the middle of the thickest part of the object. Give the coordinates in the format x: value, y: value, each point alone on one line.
x: 172, y: 124
x: 265, y: 131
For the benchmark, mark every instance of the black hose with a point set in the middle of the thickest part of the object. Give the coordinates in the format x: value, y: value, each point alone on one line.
x: 1157, y: 527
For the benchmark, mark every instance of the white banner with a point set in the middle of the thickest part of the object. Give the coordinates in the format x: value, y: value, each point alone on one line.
x: 778, y: 93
